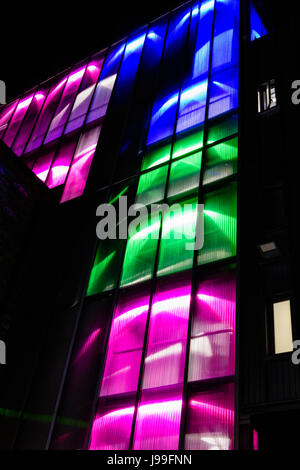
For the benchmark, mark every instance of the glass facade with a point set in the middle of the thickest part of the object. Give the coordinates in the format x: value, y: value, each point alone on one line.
x: 167, y: 372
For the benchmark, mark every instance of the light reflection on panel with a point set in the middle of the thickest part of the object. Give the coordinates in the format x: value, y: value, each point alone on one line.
x: 188, y: 142
x: 212, y: 350
x: 17, y: 119
x: 61, y: 163
x: 192, y: 106
x: 125, y: 344
x: 112, y: 427
x: 165, y: 356
x: 6, y: 114
x: 221, y: 161
x: 221, y: 129
x: 46, y: 114
x: 64, y: 108
x: 185, y: 176
x: 83, y: 98
x: 163, y: 118
x: 156, y: 156
x: 81, y: 163
x: 151, y: 188
x: 224, y: 92
x: 220, y: 225
x: 210, y: 419
x: 28, y: 123
x: 158, y: 420
x: 42, y: 165
x: 178, y: 237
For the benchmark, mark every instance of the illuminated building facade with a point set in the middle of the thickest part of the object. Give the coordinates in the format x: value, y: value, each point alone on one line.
x: 150, y: 359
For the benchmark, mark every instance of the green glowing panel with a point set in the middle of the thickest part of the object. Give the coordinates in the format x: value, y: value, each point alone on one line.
x: 222, y: 129
x: 221, y: 161
x: 156, y: 156
x: 178, y: 235
x: 106, y: 267
x: 186, y: 143
x: 141, y: 250
x: 220, y: 212
x: 151, y: 187
x: 185, y: 176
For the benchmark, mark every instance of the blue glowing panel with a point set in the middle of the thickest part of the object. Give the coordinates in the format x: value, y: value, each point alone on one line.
x: 192, y: 106
x: 256, y: 25
x: 203, y: 41
x: 223, y: 92
x: 163, y: 118
x: 106, y: 83
x: 226, y: 30
x: 132, y: 56
x: 154, y: 43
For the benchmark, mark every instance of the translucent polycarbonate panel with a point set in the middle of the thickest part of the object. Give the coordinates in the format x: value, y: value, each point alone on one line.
x: 46, y: 114
x: 5, y: 116
x: 43, y: 163
x: 220, y: 225
x: 226, y: 35
x: 283, y: 334
x: 166, y: 348
x: 156, y: 156
x: 223, y: 93
x: 203, y: 41
x: 112, y: 427
x: 83, y: 98
x: 106, y: 83
x: 178, y: 237
x: 257, y: 28
x: 210, y: 419
x: 158, y: 420
x: 212, y: 349
x: 106, y: 267
x: 125, y: 345
x: 188, y: 142
x: 61, y: 163
x: 17, y: 119
x: 141, y: 251
x: 81, y: 164
x: 163, y: 118
x: 29, y: 121
x: 65, y: 105
x: 192, y: 105
x: 184, y: 176
x: 132, y: 54
x: 151, y: 188
x: 221, y: 129
x: 221, y: 161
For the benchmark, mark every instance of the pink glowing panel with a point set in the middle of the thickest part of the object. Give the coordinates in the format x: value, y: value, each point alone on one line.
x: 60, y: 166
x: 81, y: 164
x: 29, y: 121
x: 64, y: 108
x: 165, y: 357
x: 17, y: 119
x: 83, y: 99
x: 210, y: 419
x: 111, y: 428
x: 5, y: 115
x: 42, y: 165
x: 212, y: 349
x: 158, y: 421
x: 46, y: 114
x: 125, y: 345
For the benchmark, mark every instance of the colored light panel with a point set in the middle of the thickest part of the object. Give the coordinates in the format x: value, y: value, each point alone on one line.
x: 156, y: 156
x: 17, y: 119
x: 61, y: 163
x: 185, y: 176
x: 6, y: 114
x: 42, y: 165
x: 220, y: 225
x: 151, y: 188
x: 125, y: 344
x: 212, y: 349
x: 210, y: 419
x: 221, y: 129
x: 158, y: 420
x: 81, y: 163
x: 221, y: 161
x: 188, y: 142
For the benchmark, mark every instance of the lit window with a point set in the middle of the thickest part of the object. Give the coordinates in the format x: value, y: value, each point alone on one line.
x: 266, y: 96
x: 283, y: 338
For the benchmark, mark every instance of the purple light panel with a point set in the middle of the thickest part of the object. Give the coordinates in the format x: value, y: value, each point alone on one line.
x: 158, y: 420
x: 111, y: 428
x: 125, y: 344
x: 17, y: 119
x: 210, y: 419
x: 165, y: 357
x: 212, y: 350
x: 5, y: 116
x: 61, y: 163
x: 81, y: 164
